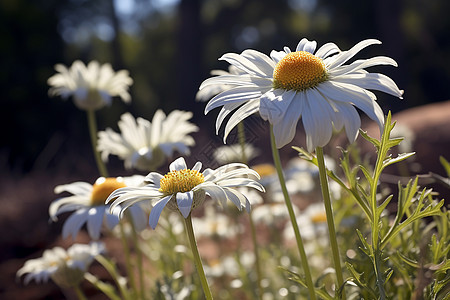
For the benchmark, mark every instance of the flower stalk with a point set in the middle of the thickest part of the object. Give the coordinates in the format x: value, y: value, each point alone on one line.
x: 197, y: 259
x: 93, y: 133
x: 241, y: 137
x: 79, y: 292
x: 298, y: 237
x: 330, y: 218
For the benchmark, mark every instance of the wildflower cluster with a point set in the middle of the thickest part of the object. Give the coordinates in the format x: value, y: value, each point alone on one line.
x: 319, y: 228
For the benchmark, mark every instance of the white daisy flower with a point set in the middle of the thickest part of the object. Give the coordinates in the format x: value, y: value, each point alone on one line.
x: 313, y: 85
x: 88, y: 203
x: 91, y: 86
x: 233, y: 153
x: 183, y: 189
x: 66, y: 268
x: 210, y: 91
x: 144, y: 145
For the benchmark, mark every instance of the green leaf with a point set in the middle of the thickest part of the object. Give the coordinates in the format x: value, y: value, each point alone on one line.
x: 321, y: 291
x: 441, y: 288
x: 389, y: 161
x: 366, y: 174
x: 370, y: 139
x: 445, y: 164
x: 409, y: 261
x: 384, y: 204
x: 358, y: 279
x: 104, y: 287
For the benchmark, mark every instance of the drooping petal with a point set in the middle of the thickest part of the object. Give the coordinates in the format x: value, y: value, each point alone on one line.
x: 138, y: 217
x: 355, y: 95
x: 372, y: 81
x: 224, y: 112
x: 74, y: 223
x: 351, y: 119
x: 95, y: 220
x: 216, y: 192
x: 112, y: 219
x: 235, y: 95
x: 316, y: 120
x: 240, y: 114
x: 155, y: 213
x: 273, y: 104
x: 184, y: 202
x: 285, y: 129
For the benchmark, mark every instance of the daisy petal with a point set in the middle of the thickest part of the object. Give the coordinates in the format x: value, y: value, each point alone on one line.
x: 155, y: 213
x: 240, y: 114
x: 327, y: 50
x: 74, y: 223
x: 285, y: 129
x: 305, y: 45
x: 316, y: 120
x: 355, y: 95
x: 273, y: 104
x: 234, y: 95
x: 184, y: 202
x: 178, y: 164
x: 346, y: 55
x: 95, y: 220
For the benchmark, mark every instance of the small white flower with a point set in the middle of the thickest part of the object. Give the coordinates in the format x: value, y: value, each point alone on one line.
x: 306, y: 84
x: 144, y: 145
x: 183, y: 189
x: 91, y: 86
x: 233, y: 153
x: 88, y: 203
x: 66, y: 268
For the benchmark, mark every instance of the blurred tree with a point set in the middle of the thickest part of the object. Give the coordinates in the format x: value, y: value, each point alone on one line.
x: 29, y: 48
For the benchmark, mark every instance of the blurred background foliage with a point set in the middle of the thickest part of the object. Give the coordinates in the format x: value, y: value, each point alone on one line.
x: 170, y: 46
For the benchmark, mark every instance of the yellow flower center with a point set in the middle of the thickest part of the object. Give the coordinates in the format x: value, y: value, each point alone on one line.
x: 180, y: 181
x: 264, y: 169
x: 319, y: 217
x: 103, y: 187
x: 299, y: 71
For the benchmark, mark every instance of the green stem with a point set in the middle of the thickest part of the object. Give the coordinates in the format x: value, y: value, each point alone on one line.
x: 256, y: 252
x: 106, y: 288
x: 126, y: 251
x: 93, y: 133
x: 241, y: 137
x: 197, y: 259
x: 79, y: 293
x: 139, y: 257
x: 376, y: 250
x: 301, y: 248
x: 111, y: 268
x: 330, y: 219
